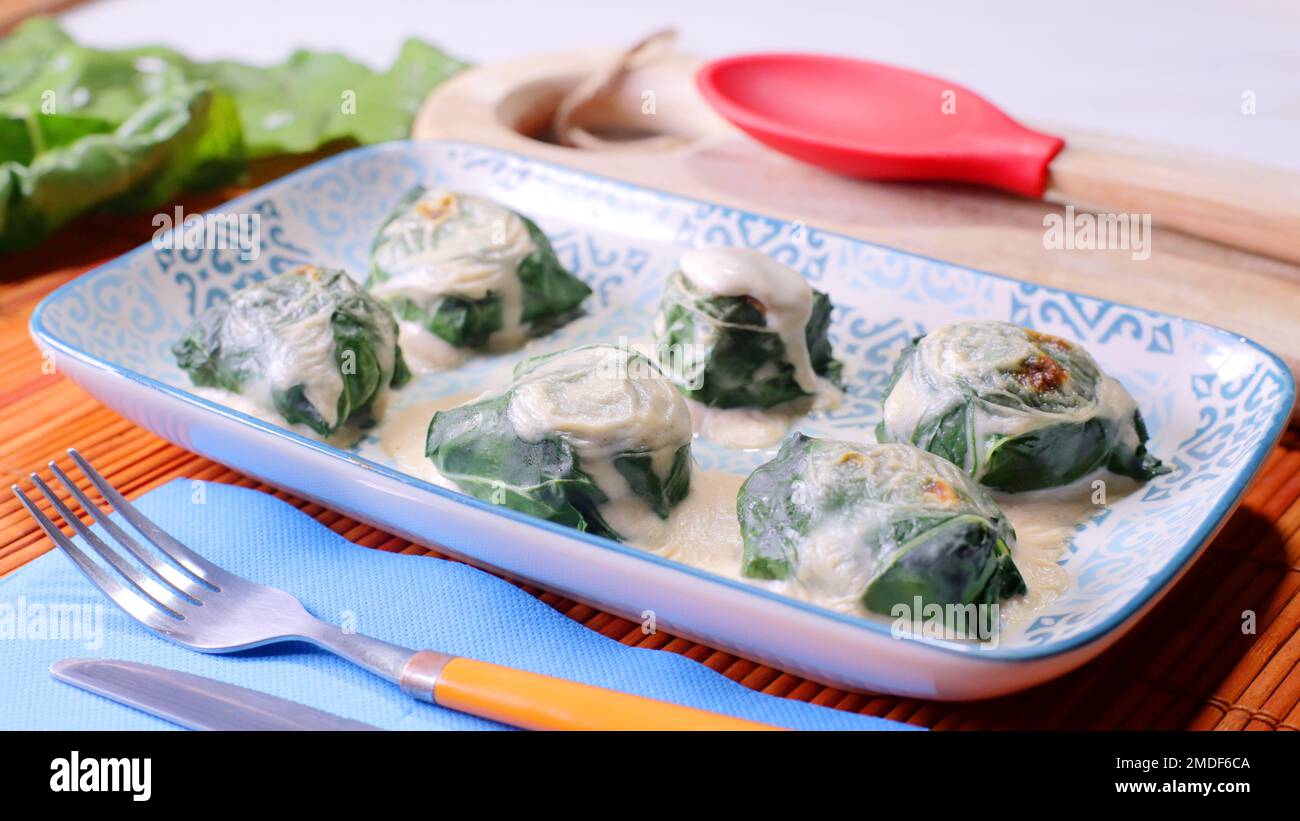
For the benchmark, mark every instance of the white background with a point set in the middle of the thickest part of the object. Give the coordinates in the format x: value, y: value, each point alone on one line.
x: 1171, y: 72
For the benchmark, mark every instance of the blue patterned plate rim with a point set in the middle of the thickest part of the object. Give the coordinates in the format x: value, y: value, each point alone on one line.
x: 1210, y: 525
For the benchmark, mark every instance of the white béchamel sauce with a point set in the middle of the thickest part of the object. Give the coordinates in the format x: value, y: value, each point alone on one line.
x: 787, y: 300
x: 786, y: 296
x: 703, y: 530
x: 752, y: 428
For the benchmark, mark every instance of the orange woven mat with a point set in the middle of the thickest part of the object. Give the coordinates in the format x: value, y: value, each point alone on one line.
x: 1187, y: 665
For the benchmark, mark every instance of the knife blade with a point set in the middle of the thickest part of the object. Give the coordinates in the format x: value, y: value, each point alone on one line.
x: 194, y: 701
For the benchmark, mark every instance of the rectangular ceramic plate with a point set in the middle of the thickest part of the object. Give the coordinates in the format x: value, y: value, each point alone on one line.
x: 1215, y: 404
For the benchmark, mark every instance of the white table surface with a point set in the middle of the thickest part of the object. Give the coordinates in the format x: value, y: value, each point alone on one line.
x: 1171, y: 72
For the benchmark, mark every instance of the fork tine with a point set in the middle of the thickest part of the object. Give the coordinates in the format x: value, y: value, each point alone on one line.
x: 167, y: 574
x: 200, y: 568
x: 128, y: 600
x: 152, y: 591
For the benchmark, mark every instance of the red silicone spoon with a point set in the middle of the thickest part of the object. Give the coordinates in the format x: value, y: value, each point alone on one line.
x: 871, y: 120
x: 881, y: 122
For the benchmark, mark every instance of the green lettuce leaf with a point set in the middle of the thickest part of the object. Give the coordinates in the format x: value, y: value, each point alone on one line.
x: 125, y: 130
x: 185, y: 138
x: 315, y: 98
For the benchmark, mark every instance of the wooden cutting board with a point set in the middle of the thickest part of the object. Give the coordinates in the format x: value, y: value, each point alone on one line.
x: 506, y: 104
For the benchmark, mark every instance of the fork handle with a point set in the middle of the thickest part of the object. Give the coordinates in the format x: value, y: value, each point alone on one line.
x: 537, y: 702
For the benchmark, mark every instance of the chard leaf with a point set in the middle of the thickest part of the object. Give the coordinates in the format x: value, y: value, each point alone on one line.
x: 316, y: 98
x: 358, y: 326
x: 297, y: 409
x: 662, y: 495
x: 550, y: 295
x: 1134, y: 460
x: 1047, y: 457
x: 744, y: 364
x: 947, y: 434
x: 920, y: 526
x: 358, y: 362
x: 770, y: 524
x: 1075, y: 419
x: 476, y: 448
x: 963, y: 560
x: 185, y: 138
x: 84, y: 129
x: 464, y: 323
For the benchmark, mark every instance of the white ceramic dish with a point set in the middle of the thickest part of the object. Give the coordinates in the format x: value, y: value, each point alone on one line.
x: 1215, y: 404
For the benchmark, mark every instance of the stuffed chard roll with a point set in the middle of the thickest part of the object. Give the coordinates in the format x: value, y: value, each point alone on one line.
x: 1017, y: 409
x: 310, y: 345
x: 578, y: 434
x: 744, y: 331
x: 875, y: 524
x: 469, y: 271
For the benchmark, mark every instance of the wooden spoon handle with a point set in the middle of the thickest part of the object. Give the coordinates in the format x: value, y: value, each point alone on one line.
x: 1253, y: 207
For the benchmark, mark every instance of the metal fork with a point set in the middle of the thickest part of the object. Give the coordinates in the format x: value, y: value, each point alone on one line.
x: 198, y: 605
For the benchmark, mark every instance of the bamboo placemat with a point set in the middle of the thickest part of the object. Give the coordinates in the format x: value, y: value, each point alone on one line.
x: 1187, y: 665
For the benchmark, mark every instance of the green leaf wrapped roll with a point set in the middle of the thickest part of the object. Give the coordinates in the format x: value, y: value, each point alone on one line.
x: 577, y: 433
x: 879, y: 524
x: 1017, y: 409
x: 470, y: 271
x: 744, y: 330
x: 309, y: 344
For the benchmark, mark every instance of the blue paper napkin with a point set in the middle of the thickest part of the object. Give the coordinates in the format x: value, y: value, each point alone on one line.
x: 53, y: 612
